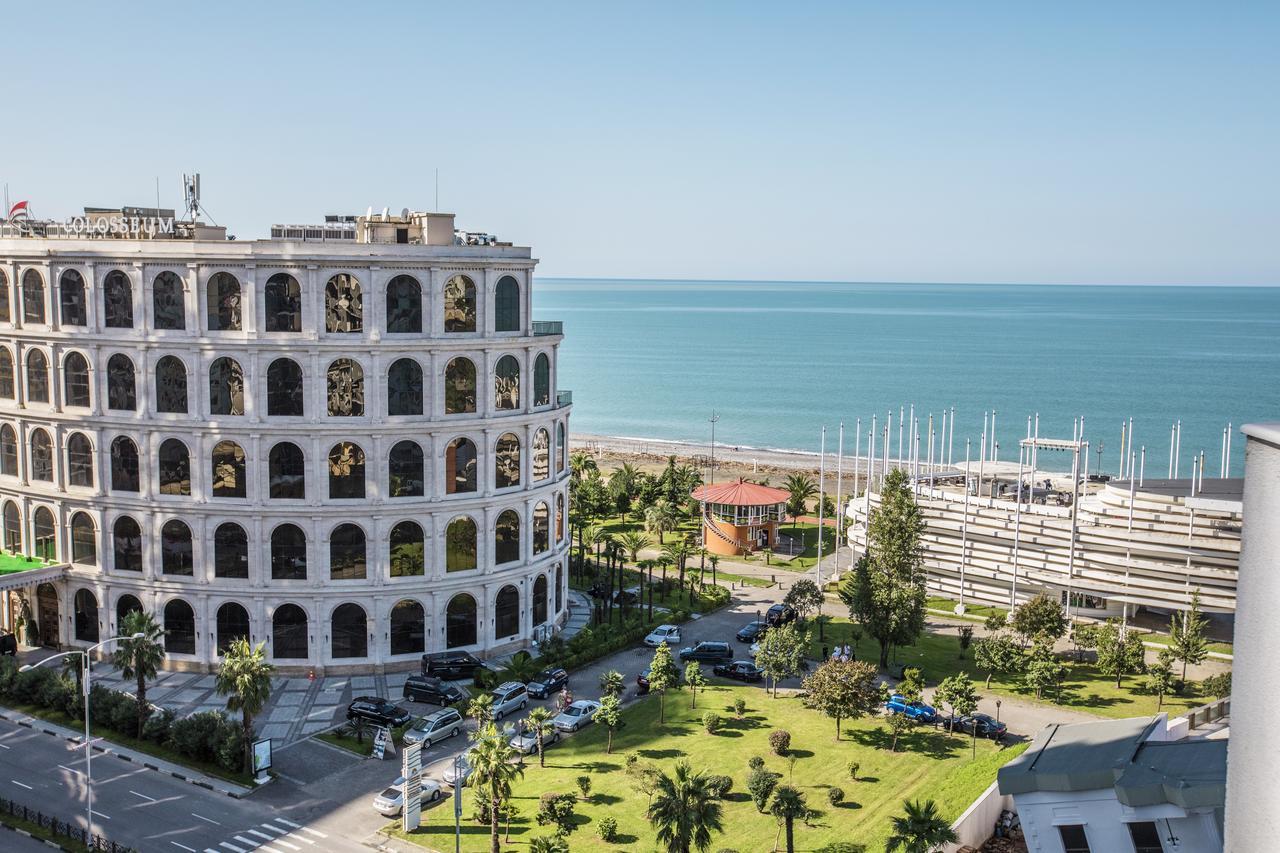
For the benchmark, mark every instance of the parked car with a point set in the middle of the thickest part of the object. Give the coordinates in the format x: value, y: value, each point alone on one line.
x: 428, y: 688
x: 751, y: 632
x: 642, y: 683
x: 985, y: 726
x: 914, y: 709
x: 456, y: 775
x: 547, y: 682
x: 434, y: 728
x: 739, y: 670
x: 577, y: 715
x: 8, y: 644
x: 451, y: 665
x: 507, y: 697
x: 780, y: 614
x: 669, y: 634
x: 525, y: 741
x: 381, y: 712
x: 708, y: 652
x: 391, y: 801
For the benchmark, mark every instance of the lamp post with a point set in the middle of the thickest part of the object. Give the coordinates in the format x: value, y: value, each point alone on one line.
x: 88, y: 751
x: 714, y: 418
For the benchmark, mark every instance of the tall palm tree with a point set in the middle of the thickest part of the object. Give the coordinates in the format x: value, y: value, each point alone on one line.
x: 245, y: 679
x: 714, y: 560
x: 480, y: 709
x: 920, y: 830
x: 788, y: 804
x: 581, y: 464
x: 633, y: 541
x: 678, y: 553
x: 140, y: 659
x: 683, y: 810
x: 493, y: 772
x: 539, y: 722
x: 660, y: 517
x: 802, y: 488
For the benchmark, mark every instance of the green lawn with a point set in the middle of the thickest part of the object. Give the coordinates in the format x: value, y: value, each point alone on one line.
x: 10, y: 563
x: 806, y: 532
x: 975, y: 612
x: 928, y: 764
x: 339, y: 738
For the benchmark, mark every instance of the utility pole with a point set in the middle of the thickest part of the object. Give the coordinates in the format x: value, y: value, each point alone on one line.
x: 714, y: 418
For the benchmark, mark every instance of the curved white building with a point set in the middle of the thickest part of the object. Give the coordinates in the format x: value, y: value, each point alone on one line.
x: 349, y: 445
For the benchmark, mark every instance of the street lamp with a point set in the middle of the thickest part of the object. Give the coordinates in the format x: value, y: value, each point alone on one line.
x: 88, y: 751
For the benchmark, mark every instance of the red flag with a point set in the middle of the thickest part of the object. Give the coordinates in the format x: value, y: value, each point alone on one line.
x: 19, y: 210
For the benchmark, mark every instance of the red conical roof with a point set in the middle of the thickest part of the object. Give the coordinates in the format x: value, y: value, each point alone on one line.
x: 740, y: 494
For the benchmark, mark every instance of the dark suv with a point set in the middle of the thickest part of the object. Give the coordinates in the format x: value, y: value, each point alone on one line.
x: 451, y: 665
x: 780, y: 614
x: 708, y: 652
x: 428, y: 688
x: 381, y: 712
x: 547, y: 682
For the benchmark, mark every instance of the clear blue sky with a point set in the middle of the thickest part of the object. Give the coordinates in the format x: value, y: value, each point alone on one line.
x: 1050, y: 142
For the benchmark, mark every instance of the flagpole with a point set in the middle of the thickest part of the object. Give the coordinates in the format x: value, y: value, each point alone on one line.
x: 839, y: 492
x: 822, y: 482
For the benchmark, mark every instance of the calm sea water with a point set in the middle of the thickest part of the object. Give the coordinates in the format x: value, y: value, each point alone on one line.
x: 776, y: 361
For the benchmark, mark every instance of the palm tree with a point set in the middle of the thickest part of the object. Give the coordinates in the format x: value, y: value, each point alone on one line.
x: 920, y: 830
x: 714, y: 560
x: 359, y: 726
x: 788, y: 804
x: 140, y: 659
x: 480, y: 709
x: 661, y: 517
x: 683, y: 810
x: 493, y: 771
x: 678, y: 553
x: 633, y: 541
x: 581, y: 463
x: 548, y: 844
x: 539, y: 722
x: 802, y: 488
x: 612, y: 683
x: 245, y: 679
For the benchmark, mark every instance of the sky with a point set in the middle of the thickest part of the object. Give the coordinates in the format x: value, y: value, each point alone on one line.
x: 1088, y: 142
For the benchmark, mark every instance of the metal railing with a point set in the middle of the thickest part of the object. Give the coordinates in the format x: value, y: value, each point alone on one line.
x: 564, y: 398
x: 61, y: 829
x: 1206, y: 714
x: 548, y: 327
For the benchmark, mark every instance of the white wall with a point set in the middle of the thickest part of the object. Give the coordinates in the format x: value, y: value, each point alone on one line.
x: 1104, y: 819
x: 976, y: 824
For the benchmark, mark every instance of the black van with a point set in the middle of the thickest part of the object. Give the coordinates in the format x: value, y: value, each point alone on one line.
x: 8, y: 644
x: 451, y: 665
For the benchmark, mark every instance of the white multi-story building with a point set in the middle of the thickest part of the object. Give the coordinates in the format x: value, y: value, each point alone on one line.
x: 346, y: 443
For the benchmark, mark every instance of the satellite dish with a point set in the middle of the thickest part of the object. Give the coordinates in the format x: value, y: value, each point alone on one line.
x: 404, y: 213
x: 386, y: 214
x: 368, y: 214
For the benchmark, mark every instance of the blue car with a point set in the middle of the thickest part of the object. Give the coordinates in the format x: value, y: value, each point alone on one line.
x: 915, y: 710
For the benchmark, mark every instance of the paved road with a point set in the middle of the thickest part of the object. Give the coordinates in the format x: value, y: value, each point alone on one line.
x: 12, y: 842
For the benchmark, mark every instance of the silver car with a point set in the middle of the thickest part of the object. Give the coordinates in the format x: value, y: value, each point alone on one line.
x: 456, y: 774
x: 391, y: 801
x: 507, y: 697
x: 434, y: 728
x: 525, y: 741
x: 669, y: 634
x: 577, y: 715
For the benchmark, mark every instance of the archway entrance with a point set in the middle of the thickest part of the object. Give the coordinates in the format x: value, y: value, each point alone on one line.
x: 47, y: 607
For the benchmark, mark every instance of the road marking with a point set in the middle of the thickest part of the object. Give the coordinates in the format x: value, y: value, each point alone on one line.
x: 2, y: 746
x: 306, y: 829
x: 207, y: 819
x: 16, y: 782
x: 252, y: 844
x: 183, y: 846
x: 261, y: 835
x: 69, y: 770
x: 145, y: 797
x: 281, y: 841
x: 231, y: 847
x: 100, y: 814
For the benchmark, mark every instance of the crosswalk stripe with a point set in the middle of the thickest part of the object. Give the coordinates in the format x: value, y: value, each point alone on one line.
x: 232, y: 847
x: 277, y: 830
x: 311, y: 831
x: 260, y: 835
x: 288, y: 822
x: 269, y: 849
x: 211, y: 850
x: 249, y: 841
x: 279, y: 841
x: 300, y: 827
x: 284, y: 843
x: 296, y: 837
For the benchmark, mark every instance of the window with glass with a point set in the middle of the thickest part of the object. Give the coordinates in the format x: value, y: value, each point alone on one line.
x: 408, y: 628
x: 460, y: 545
x: 79, y: 460
x: 12, y: 528
x: 230, y: 551
x: 1074, y: 839
x: 506, y: 613
x: 226, y: 387
x: 540, y: 600
x: 559, y: 587
x: 560, y: 447
x: 8, y: 451
x: 176, y: 551
x: 506, y: 461
x: 75, y: 380
x: 6, y: 315
x: 37, y: 377
x: 459, y: 304
x: 289, y: 633
x: 7, y: 381
x: 506, y: 537
x: 459, y: 387
x: 288, y: 553
x: 179, y: 628
x: 506, y: 305
x: 32, y: 297
x: 117, y: 301
x: 541, y: 455
x: 86, y: 616
x: 506, y: 384
x: 124, y: 465
x: 122, y: 394
x: 126, y: 545
x: 347, y: 553
x: 171, y: 385
x: 44, y: 535
x: 232, y: 623
x: 1145, y: 837
x: 125, y: 605
x: 287, y: 472
x: 283, y: 298
x: 405, y: 468
x: 349, y: 636
x: 174, y: 468
x: 41, y: 456
x: 404, y: 305
x: 408, y: 550
x: 542, y: 380
x: 284, y: 388
x: 460, y: 466
x: 559, y: 517
x: 460, y: 621
x: 228, y: 470
x: 84, y: 540
x: 72, y: 308
x: 222, y: 295
x: 346, y: 471
x: 343, y: 306
x: 346, y: 388
x: 168, y: 302
x: 404, y: 387
x: 541, y: 528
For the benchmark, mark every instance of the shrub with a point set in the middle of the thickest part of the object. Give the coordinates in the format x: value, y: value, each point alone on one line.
x: 607, y: 829
x: 557, y: 810
x: 53, y: 692
x: 584, y: 785
x: 853, y: 771
x: 780, y: 741
x: 27, y: 685
x: 231, y: 749
x: 719, y: 786
x: 157, y: 726
x: 760, y: 785
x: 739, y: 707
x: 1218, y: 686
x: 8, y: 672
x: 755, y: 762
x: 835, y: 796
x: 199, y: 736
x: 711, y: 722
x: 124, y: 718
x: 843, y: 847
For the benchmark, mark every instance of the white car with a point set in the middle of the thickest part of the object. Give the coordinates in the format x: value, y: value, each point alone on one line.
x: 391, y: 801
x: 526, y: 742
x: 669, y: 634
x: 576, y: 715
x: 452, y: 779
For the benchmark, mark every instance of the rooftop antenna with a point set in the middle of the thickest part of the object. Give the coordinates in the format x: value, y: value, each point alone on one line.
x: 191, y: 190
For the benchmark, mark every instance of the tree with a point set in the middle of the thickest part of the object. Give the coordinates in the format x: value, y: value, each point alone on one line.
x: 998, y: 653
x: 1041, y: 616
x: 788, y: 804
x: 245, y: 679
x: 1160, y: 676
x: 966, y: 639
x: 660, y: 517
x: 1218, y: 686
x: 958, y: 694
x: 885, y: 592
x: 480, y: 709
x: 548, y: 844
x: 1084, y: 637
x: 695, y: 680
x: 899, y: 724
x: 760, y: 785
x: 1042, y: 668
x: 684, y: 810
x: 801, y: 488
x: 921, y: 829
x: 782, y: 652
x: 557, y: 810
x: 662, y: 675
x: 714, y: 560
x: 1120, y: 652
x: 804, y: 597
x: 622, y: 486
x: 643, y: 775
x: 493, y: 774
x: 609, y: 714
x: 612, y: 683
x: 1186, y: 635
x: 633, y: 542
x: 540, y: 723
x: 842, y: 690
x: 141, y: 658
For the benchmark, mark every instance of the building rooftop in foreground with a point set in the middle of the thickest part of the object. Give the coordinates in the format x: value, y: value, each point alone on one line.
x: 740, y: 493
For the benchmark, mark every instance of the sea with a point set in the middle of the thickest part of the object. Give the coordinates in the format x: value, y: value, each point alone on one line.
x: 777, y: 361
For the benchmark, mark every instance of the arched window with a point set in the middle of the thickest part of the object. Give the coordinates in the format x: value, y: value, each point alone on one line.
x: 75, y: 380
x: 72, y: 310
x: 346, y: 471
x: 117, y: 301
x: 540, y: 600
x: 404, y: 305
x: 126, y: 545
x: 86, y: 616
x: 459, y: 387
x: 226, y: 387
x: 174, y: 465
x: 176, y: 556
x: 347, y: 625
x: 230, y: 551
x: 179, y: 628
x: 289, y: 633
x: 122, y: 392
x: 343, y: 307
x: 84, y: 540
x: 32, y: 297
x: 559, y: 517
x: 287, y: 474
x: 125, y: 605
x: 506, y: 537
x: 460, y: 545
x: 12, y: 528
x: 168, y: 302
x: 7, y: 381
x: 506, y: 613
x: 541, y: 455
x: 506, y: 303
x: 460, y: 467
x: 284, y: 388
x: 8, y: 451
x: 542, y: 380
x: 124, y: 465
x: 404, y: 387
x: 232, y: 625
x: 37, y: 377
x: 288, y: 553
x: 408, y: 550
x: 346, y: 388
x: 347, y: 560
x: 171, y: 385
x: 408, y: 628
x: 222, y: 301
x: 559, y: 587
x: 79, y: 460
x: 459, y: 304
x: 560, y: 447
x: 6, y: 316
x: 228, y: 470
x: 506, y: 383
x: 541, y: 528
x: 41, y: 456
x: 460, y: 621
x: 506, y: 461
x: 406, y: 470
x: 283, y: 298
x: 45, y: 535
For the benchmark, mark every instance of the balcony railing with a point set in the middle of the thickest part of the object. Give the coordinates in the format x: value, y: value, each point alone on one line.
x: 564, y: 398
x: 548, y: 327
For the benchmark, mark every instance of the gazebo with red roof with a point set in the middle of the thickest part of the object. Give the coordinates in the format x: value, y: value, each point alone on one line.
x: 740, y: 517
